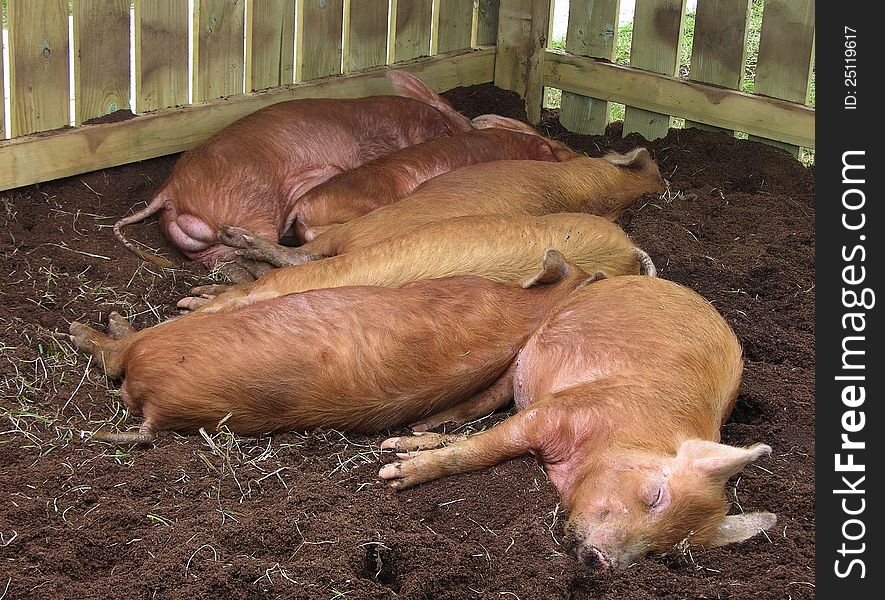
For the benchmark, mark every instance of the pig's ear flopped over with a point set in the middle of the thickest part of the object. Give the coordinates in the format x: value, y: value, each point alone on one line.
x: 737, y: 528
x: 719, y: 461
x: 637, y: 159
x: 553, y: 270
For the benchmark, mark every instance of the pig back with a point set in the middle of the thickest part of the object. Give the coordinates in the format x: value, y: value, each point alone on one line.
x: 251, y: 173
x: 665, y: 342
x: 355, y: 358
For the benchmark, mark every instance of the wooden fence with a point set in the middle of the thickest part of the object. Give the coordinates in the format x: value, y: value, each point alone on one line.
x: 195, y: 73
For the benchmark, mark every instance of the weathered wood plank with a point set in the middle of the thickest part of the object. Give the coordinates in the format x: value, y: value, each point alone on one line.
x: 522, y: 37
x: 32, y: 159
x: 486, y: 21
x: 786, y: 53
x: 719, y: 48
x: 161, y: 54
x: 455, y: 25
x: 657, y: 32
x: 767, y: 117
x: 270, y: 43
x: 319, y: 38
x: 367, y: 34
x: 413, y: 23
x: 2, y: 93
x: 592, y: 31
x: 218, y: 48
x: 101, y: 57
x: 39, y: 84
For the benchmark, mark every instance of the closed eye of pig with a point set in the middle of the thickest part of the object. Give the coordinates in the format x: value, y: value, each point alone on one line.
x: 347, y: 364
x: 623, y: 391
x: 252, y: 172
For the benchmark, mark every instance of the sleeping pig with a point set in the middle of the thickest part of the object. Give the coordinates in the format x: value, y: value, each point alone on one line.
x: 601, y: 186
x: 252, y: 172
x: 391, y: 177
x: 622, y: 392
x: 347, y: 363
x: 499, y: 248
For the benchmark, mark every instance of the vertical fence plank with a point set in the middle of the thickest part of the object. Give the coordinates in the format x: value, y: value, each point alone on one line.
x: 455, y: 25
x: 414, y: 21
x: 367, y: 34
x: 319, y: 38
x: 270, y: 43
x: 486, y: 21
x: 657, y: 32
x: 786, y: 54
x: 161, y: 51
x: 592, y: 31
x: 2, y: 93
x: 218, y: 48
x: 519, y: 62
x: 101, y: 57
x: 39, y: 85
x: 719, y: 49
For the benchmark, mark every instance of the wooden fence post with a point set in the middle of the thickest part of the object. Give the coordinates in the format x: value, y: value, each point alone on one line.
x: 522, y: 41
x: 719, y: 49
x: 786, y: 55
x: 657, y: 32
x: 161, y: 48
x: 592, y: 31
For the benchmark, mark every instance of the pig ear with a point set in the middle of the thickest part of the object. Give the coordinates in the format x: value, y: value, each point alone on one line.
x: 554, y: 269
x: 737, y: 528
x: 499, y: 122
x: 638, y: 159
x: 718, y: 460
x: 408, y: 85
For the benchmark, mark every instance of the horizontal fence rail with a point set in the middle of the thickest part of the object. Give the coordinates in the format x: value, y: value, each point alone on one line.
x: 654, y: 87
x: 75, y: 62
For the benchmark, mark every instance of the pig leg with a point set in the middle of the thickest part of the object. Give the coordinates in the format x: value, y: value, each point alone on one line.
x: 102, y: 348
x: 256, y: 247
x: 144, y: 435
x: 420, y: 441
x: 508, y: 440
x: 484, y: 403
x: 210, y: 291
x: 119, y: 327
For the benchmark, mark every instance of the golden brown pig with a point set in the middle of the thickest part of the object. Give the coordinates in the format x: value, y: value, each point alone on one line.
x: 499, y: 248
x: 356, y: 358
x: 601, y: 186
x: 622, y: 393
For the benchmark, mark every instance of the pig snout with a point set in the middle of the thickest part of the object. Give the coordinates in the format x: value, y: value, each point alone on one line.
x: 588, y: 555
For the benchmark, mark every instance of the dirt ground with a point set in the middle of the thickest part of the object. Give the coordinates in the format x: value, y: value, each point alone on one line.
x: 302, y: 515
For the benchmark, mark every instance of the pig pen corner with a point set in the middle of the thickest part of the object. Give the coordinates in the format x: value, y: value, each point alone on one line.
x: 208, y: 510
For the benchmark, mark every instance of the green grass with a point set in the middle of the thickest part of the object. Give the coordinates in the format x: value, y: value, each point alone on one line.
x: 552, y: 96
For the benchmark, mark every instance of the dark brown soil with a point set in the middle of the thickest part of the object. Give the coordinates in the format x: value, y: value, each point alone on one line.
x: 303, y: 515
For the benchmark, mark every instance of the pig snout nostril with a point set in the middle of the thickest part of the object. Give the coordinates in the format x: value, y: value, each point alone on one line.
x: 593, y: 558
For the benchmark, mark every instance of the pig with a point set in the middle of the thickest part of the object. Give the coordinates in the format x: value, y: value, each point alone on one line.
x: 347, y: 364
x: 252, y: 173
x: 499, y: 248
x: 601, y: 186
x: 391, y: 177
x: 621, y: 394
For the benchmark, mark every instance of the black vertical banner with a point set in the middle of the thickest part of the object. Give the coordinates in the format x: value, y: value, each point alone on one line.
x: 850, y: 444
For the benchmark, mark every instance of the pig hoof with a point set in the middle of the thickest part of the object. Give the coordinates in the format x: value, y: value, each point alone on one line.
x: 191, y: 303
x: 236, y: 237
x: 210, y: 291
x: 83, y: 336
x: 119, y: 327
